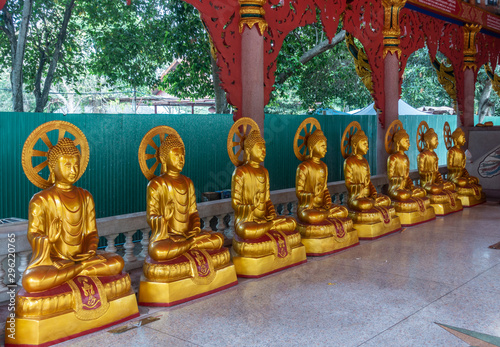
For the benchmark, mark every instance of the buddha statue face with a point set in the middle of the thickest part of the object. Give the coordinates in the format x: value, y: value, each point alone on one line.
x: 64, y: 162
x: 172, y: 154
x: 402, y: 140
x: 316, y: 144
x: 175, y: 159
x: 359, y: 143
x: 67, y: 169
x: 458, y: 137
x: 255, y: 147
x: 431, y: 139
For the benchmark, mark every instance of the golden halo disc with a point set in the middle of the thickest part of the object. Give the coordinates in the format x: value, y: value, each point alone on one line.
x: 148, y: 140
x: 345, y: 145
x: 40, y: 133
x: 447, y: 135
x: 395, y: 126
x: 423, y: 127
x: 306, y: 128
x: 241, y: 128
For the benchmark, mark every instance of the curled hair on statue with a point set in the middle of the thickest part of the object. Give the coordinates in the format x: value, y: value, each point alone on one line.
x: 313, y: 140
x: 63, y: 147
x: 251, y: 140
x: 170, y: 142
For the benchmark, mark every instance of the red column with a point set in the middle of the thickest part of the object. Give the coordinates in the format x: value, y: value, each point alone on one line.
x: 391, y: 90
x: 469, y: 91
x: 252, y: 75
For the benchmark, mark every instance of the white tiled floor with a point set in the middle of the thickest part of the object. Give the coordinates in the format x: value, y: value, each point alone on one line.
x: 387, y: 292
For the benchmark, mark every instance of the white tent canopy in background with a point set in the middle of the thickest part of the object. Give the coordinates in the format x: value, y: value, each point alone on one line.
x: 403, y: 109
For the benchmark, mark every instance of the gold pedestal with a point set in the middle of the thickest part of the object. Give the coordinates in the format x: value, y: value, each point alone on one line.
x: 445, y: 208
x: 472, y: 200
x: 174, y: 293
x: 65, y: 326
x: 372, y: 231
x: 259, y: 267
x: 413, y: 218
x: 319, y: 239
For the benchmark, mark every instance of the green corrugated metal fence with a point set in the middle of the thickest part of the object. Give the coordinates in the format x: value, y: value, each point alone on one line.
x: 113, y: 175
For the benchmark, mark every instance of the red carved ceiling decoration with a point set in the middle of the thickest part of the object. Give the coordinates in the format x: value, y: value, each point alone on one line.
x: 363, y: 19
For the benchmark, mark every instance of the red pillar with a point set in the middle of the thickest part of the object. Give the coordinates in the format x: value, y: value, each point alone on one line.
x: 469, y: 91
x: 252, y: 75
x: 391, y: 90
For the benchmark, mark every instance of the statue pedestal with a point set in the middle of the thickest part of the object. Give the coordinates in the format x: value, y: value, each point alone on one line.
x: 409, y: 219
x: 174, y: 293
x: 445, y: 208
x: 471, y: 201
x: 369, y: 230
x: 46, y: 318
x: 260, y: 267
x: 327, y: 238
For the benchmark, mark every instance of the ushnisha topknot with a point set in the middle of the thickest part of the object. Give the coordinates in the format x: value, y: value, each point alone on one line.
x: 314, y: 138
x: 428, y: 135
x: 253, y: 138
x: 64, y: 146
x: 399, y: 135
x: 170, y: 142
x: 457, y: 133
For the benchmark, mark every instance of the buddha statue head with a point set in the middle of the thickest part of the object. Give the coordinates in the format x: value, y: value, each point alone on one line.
x: 64, y: 162
x: 401, y: 140
x: 431, y: 139
x: 316, y: 144
x: 458, y: 137
x: 172, y: 154
x: 359, y: 143
x: 254, y: 147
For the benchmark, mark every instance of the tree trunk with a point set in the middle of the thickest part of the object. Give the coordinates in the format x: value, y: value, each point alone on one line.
x: 43, y: 96
x: 221, y: 106
x: 17, y: 48
x: 485, y: 105
x: 313, y: 52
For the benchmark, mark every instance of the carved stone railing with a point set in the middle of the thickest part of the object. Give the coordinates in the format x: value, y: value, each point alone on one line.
x: 216, y: 215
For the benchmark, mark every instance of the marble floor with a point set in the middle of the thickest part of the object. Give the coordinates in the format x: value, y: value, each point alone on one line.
x: 387, y: 292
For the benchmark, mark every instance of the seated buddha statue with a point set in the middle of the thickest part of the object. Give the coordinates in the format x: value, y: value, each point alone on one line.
x: 441, y: 193
x: 410, y: 202
x: 371, y: 212
x: 325, y: 228
x: 68, y: 282
x: 183, y: 262
x: 469, y: 190
x: 263, y: 242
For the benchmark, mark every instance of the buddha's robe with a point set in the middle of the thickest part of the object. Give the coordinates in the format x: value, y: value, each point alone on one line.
x: 401, y: 186
x: 362, y: 193
x: 254, y: 212
x: 54, y: 263
x: 457, y: 173
x: 315, y: 203
x: 430, y: 177
x: 173, y: 216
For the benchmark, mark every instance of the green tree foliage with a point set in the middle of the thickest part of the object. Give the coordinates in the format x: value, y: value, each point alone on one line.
x: 420, y: 83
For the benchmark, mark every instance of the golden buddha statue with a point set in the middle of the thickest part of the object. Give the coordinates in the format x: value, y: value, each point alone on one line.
x: 263, y: 242
x: 371, y: 212
x: 469, y: 190
x: 441, y: 193
x: 68, y: 282
x: 410, y: 202
x: 325, y: 228
x: 183, y: 262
